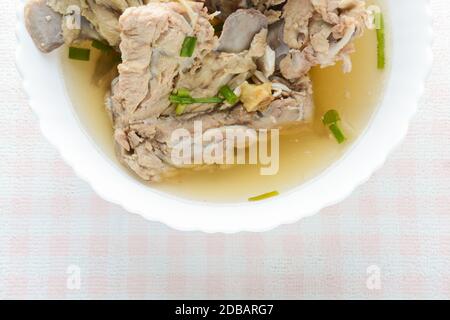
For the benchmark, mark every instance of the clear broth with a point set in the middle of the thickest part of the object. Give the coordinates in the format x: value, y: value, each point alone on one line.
x: 303, y: 154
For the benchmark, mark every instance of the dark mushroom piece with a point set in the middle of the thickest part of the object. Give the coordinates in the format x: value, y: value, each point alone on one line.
x: 45, y: 26
x: 239, y: 30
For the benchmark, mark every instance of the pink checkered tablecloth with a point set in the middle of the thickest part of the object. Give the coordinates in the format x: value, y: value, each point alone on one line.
x: 390, y: 239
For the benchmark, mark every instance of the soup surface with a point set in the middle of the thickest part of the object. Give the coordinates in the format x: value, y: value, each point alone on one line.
x: 304, y: 153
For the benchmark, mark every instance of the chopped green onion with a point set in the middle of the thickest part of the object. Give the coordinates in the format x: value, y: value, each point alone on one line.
x: 229, y: 95
x: 208, y: 100
x: 330, y: 117
x: 189, y: 100
x: 181, y: 100
x: 264, y: 196
x: 79, y: 54
x: 379, y: 22
x: 180, y: 109
x: 183, y: 92
x: 188, y: 47
x: 101, y: 46
x: 337, y: 133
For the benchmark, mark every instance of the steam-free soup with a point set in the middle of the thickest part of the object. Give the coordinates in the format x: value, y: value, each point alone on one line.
x: 304, y: 153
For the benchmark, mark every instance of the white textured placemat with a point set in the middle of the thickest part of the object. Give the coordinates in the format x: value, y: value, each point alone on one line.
x: 390, y: 239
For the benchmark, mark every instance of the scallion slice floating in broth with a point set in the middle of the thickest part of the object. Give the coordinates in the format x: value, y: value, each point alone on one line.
x: 379, y: 22
x: 264, y: 196
x: 337, y: 132
x: 331, y: 119
x: 101, y: 46
x: 81, y: 54
x: 332, y: 116
x: 188, y: 47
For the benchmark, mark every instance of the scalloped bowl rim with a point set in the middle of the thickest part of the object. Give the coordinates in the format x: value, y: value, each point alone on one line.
x: 410, y: 65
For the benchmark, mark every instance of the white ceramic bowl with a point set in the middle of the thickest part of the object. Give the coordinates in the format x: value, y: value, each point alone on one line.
x: 410, y: 57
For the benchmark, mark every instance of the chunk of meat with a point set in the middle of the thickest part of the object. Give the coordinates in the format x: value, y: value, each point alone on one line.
x: 266, y: 63
x: 295, y: 64
x: 100, y: 18
x: 322, y: 36
x: 146, y: 146
x: 296, y: 14
x: 151, y: 41
x: 104, y: 19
